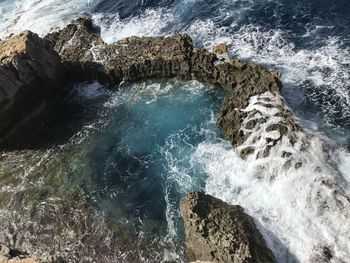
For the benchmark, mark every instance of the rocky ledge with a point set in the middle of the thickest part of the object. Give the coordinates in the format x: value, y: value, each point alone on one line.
x: 254, y: 116
x: 218, y: 232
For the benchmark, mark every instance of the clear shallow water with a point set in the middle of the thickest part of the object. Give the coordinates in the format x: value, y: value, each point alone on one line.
x: 308, y: 41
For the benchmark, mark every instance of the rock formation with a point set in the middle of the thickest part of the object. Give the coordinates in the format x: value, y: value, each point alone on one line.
x: 254, y: 116
x: 253, y: 102
x: 254, y: 98
x: 30, y: 71
x: 218, y: 232
x: 87, y: 57
x: 8, y: 255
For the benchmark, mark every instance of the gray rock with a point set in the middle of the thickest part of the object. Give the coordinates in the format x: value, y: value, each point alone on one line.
x: 79, y: 46
x: 218, y: 232
x: 87, y: 57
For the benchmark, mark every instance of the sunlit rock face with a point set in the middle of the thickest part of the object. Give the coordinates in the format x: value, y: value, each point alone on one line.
x: 30, y: 75
x: 218, y: 232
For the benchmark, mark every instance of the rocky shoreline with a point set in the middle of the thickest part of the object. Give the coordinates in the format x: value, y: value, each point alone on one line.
x: 34, y: 72
x: 218, y: 232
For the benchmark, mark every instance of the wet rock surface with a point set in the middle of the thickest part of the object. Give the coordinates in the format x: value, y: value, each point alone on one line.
x: 10, y: 255
x: 30, y: 73
x: 218, y: 232
x: 79, y: 46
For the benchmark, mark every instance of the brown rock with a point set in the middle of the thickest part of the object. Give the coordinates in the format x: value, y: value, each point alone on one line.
x: 79, y: 46
x: 30, y: 72
x: 246, y: 152
x: 282, y: 129
x: 221, y: 50
x: 218, y: 232
x: 87, y: 57
x: 139, y: 58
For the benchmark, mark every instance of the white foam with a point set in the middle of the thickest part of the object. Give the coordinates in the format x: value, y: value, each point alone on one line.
x: 297, y: 206
x: 39, y: 16
x: 150, y: 23
x: 300, y: 210
x: 325, y: 66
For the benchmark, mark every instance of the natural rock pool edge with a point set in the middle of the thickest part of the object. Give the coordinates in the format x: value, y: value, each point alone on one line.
x: 34, y: 72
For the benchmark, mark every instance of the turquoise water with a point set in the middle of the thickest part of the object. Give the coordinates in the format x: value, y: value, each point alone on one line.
x: 138, y: 154
x: 109, y: 172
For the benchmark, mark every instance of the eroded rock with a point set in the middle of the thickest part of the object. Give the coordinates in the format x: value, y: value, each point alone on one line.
x: 218, y: 232
x: 30, y: 74
x: 87, y: 57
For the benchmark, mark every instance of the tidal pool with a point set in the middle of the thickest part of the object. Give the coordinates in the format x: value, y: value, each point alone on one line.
x: 126, y: 156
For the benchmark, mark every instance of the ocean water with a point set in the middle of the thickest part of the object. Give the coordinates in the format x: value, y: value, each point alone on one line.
x: 149, y: 151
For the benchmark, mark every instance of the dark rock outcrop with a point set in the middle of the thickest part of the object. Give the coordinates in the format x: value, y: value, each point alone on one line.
x: 253, y: 106
x: 30, y: 73
x: 79, y: 47
x: 254, y: 116
x: 218, y: 232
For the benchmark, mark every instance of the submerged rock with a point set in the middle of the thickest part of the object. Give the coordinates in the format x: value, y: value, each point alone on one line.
x: 30, y: 72
x: 218, y: 232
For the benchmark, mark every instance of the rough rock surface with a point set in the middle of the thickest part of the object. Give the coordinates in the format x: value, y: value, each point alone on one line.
x: 254, y: 116
x: 218, y: 232
x: 79, y: 47
x: 221, y: 50
x: 9, y: 255
x: 30, y: 71
x: 87, y: 57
